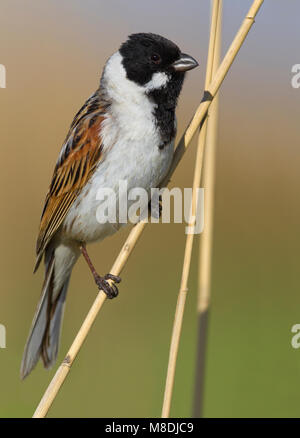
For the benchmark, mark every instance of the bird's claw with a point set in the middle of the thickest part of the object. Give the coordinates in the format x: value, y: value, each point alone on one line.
x: 110, y: 290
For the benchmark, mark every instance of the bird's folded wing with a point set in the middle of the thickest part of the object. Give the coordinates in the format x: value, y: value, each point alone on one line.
x: 80, y: 155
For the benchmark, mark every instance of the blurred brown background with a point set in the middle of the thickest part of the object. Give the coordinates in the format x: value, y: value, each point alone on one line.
x: 54, y: 52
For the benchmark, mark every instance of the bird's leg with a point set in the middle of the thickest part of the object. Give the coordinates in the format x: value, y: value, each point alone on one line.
x: 157, y: 203
x: 110, y: 290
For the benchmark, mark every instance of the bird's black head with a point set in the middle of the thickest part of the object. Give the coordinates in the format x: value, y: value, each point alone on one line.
x: 145, y: 54
x: 158, y: 66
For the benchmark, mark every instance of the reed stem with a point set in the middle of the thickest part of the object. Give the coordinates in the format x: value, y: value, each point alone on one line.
x: 206, y: 238
x: 177, y: 327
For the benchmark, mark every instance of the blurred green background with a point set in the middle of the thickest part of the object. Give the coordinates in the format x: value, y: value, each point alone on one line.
x: 54, y: 52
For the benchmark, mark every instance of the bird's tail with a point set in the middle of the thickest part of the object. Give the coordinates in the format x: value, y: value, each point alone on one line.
x: 43, y: 339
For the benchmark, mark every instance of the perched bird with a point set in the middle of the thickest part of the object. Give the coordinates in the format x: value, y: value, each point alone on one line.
x: 124, y: 131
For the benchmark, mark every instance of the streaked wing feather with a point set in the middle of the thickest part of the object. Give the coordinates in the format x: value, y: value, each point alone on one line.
x: 80, y: 155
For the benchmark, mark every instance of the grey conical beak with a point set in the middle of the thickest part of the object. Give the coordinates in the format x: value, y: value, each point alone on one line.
x: 184, y: 63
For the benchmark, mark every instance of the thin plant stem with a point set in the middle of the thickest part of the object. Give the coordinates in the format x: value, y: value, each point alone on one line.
x: 177, y: 327
x: 205, y: 241
x: 210, y: 92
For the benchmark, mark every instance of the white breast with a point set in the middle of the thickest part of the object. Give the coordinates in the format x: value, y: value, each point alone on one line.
x: 130, y: 152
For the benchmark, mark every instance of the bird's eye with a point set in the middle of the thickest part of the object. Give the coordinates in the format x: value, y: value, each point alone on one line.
x: 155, y: 58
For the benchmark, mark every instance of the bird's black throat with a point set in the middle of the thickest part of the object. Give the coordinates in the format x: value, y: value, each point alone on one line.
x: 165, y: 99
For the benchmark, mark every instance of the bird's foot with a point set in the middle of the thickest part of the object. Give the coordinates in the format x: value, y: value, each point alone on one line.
x: 110, y: 290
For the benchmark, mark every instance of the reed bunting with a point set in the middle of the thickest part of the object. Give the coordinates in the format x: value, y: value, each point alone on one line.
x: 124, y: 131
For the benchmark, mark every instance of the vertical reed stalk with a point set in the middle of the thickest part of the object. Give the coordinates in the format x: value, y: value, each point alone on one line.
x: 206, y: 238
x: 177, y: 327
x: 211, y: 91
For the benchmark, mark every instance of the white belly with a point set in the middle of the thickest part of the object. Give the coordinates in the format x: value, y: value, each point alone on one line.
x: 139, y: 163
